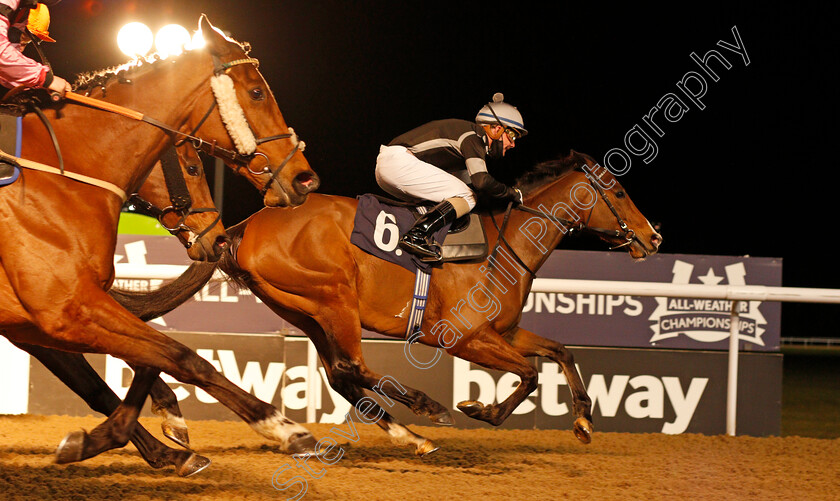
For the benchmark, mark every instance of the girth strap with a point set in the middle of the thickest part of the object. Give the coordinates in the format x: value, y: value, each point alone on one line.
x: 29, y: 164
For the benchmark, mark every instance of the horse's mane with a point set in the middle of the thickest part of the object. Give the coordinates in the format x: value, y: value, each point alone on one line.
x: 550, y: 170
x: 103, y: 76
x: 98, y: 78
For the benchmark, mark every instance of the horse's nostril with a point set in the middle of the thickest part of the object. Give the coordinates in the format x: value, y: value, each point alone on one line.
x: 222, y: 242
x: 306, y: 182
x: 656, y: 239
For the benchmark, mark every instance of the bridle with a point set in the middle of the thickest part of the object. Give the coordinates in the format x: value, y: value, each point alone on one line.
x: 239, y: 159
x: 624, y: 232
x: 180, y: 199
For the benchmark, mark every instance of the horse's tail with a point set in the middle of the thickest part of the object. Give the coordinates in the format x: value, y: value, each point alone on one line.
x: 150, y: 305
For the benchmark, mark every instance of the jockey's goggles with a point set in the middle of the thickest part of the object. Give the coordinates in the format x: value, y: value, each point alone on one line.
x: 512, y: 134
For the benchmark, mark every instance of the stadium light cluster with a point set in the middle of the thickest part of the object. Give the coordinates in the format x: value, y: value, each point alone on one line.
x: 136, y: 40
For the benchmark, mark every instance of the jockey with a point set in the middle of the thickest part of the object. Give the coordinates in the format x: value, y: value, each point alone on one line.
x: 15, y: 68
x: 426, y: 163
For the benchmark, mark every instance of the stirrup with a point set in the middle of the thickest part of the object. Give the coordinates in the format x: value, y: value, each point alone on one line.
x: 7, y: 171
x: 427, y: 253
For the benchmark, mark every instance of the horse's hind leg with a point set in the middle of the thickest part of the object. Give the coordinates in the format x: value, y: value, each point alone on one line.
x: 399, y: 433
x: 75, y: 372
x: 529, y: 344
x: 489, y: 350
x: 345, y: 377
x: 101, y: 325
x: 348, y: 365
x: 115, y: 431
x: 165, y: 405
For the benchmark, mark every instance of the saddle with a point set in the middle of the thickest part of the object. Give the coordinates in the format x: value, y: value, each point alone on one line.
x: 465, y: 239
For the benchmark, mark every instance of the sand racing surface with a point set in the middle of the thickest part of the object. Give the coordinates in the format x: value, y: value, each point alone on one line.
x: 471, y: 464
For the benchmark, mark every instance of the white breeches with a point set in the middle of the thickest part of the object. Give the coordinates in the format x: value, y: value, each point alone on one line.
x: 406, y: 177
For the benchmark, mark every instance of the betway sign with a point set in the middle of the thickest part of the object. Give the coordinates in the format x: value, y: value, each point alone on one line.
x: 575, y: 319
x: 640, y: 396
x: 631, y: 389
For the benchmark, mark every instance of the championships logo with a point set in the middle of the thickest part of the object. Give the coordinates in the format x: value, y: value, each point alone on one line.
x: 706, y: 320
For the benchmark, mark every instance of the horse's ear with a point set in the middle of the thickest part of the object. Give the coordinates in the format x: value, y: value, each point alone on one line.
x: 216, y: 41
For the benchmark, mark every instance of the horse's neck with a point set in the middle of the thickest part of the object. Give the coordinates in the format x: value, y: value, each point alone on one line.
x: 153, y: 188
x: 135, y: 157
x: 532, y: 237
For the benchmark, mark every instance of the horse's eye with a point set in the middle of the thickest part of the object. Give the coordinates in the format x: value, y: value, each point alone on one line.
x: 619, y: 194
x: 257, y: 94
x: 193, y: 170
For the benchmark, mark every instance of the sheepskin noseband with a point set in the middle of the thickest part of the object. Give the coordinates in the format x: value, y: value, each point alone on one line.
x: 232, y: 114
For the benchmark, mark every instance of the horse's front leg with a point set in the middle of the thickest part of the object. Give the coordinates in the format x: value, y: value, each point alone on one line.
x: 529, y: 344
x: 487, y: 348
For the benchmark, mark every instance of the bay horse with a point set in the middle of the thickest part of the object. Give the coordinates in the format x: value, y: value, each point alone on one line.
x: 189, y: 214
x: 59, y: 225
x: 302, y: 265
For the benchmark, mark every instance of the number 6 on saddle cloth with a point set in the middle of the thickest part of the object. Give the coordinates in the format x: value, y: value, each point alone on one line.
x: 380, y: 222
x: 378, y: 225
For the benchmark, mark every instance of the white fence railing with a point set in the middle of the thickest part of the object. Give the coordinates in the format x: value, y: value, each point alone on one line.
x: 734, y: 293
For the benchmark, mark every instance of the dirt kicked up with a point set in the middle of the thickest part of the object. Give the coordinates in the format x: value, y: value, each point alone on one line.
x: 471, y: 464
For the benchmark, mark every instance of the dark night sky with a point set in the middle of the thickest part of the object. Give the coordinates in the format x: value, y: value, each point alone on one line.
x: 753, y: 173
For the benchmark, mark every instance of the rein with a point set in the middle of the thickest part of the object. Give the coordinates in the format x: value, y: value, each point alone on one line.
x: 502, y: 239
x: 208, y: 147
x: 624, y: 232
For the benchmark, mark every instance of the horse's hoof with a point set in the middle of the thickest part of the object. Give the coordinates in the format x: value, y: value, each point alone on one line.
x: 71, y: 447
x: 471, y: 408
x: 583, y: 430
x: 443, y: 419
x: 193, y: 465
x: 426, y: 448
x: 302, y: 444
x: 177, y: 434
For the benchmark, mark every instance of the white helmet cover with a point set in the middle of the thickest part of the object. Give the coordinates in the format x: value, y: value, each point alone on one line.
x: 501, y: 113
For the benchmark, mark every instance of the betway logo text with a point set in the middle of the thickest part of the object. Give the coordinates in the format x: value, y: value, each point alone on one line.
x: 262, y: 383
x: 642, y: 396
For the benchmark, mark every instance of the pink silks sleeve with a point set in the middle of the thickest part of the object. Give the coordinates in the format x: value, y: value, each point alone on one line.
x: 15, y: 68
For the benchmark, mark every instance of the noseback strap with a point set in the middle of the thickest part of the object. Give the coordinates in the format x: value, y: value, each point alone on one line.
x: 179, y: 195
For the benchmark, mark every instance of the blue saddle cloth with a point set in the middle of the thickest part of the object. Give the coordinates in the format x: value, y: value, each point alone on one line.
x: 377, y: 229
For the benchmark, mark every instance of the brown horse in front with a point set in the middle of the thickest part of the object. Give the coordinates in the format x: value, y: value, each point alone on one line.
x: 302, y: 265
x: 59, y: 235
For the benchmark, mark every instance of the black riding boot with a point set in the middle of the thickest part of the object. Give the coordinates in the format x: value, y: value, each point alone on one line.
x: 419, y: 241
